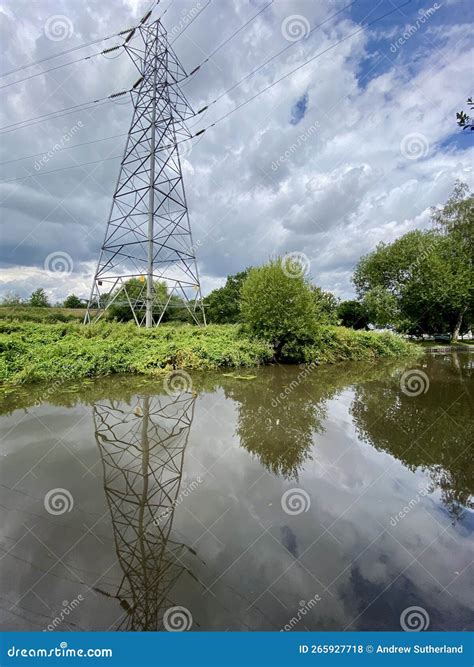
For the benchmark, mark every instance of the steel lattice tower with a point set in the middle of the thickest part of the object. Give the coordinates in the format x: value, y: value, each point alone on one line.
x: 142, y: 454
x: 148, y: 236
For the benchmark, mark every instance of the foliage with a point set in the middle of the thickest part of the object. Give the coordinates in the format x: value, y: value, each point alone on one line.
x: 352, y: 314
x: 464, y: 120
x: 279, y: 308
x: 136, y: 291
x: 73, y: 301
x: 423, y: 281
x: 31, y: 352
x: 39, y: 299
x: 11, y: 299
x: 25, y: 313
x: 223, y: 304
x: 325, y: 306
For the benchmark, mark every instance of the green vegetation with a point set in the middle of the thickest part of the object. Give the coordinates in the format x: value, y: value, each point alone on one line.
x: 32, y: 352
x: 279, y: 308
x: 223, y: 304
x: 424, y: 281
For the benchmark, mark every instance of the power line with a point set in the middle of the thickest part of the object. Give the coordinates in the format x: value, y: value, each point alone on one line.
x: 53, y: 171
x: 247, y: 76
x: 51, y: 115
x: 318, y: 55
x: 64, y: 148
x: 191, y: 22
x: 82, y: 46
x: 226, y: 41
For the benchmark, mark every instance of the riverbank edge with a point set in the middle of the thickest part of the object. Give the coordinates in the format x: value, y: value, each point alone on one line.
x: 38, y: 352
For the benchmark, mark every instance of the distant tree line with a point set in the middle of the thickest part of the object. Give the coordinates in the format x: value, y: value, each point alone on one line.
x: 421, y: 283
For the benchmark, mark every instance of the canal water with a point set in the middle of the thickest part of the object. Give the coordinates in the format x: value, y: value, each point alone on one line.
x: 280, y: 498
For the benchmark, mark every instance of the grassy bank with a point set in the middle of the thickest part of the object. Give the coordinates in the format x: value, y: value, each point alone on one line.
x: 33, y: 352
x: 45, y: 315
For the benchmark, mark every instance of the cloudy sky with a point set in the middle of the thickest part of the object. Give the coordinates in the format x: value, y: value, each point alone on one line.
x: 349, y: 150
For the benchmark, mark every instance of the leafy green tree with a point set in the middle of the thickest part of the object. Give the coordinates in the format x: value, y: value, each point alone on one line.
x: 39, y: 299
x: 464, y: 120
x: 12, y: 299
x: 223, y: 304
x: 73, y: 301
x: 325, y: 304
x: 136, y: 292
x: 352, y: 314
x: 381, y: 306
x: 423, y: 281
x: 278, y: 307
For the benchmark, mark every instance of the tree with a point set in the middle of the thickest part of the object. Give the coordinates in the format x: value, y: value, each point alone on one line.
x: 223, y: 304
x: 352, y: 314
x: 423, y: 281
x: 325, y: 304
x: 11, y: 299
x: 39, y: 299
x: 73, y: 301
x: 464, y: 120
x: 278, y: 307
x: 135, y: 290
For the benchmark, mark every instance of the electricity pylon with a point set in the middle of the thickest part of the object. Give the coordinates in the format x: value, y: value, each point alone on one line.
x: 148, y: 238
x: 142, y: 452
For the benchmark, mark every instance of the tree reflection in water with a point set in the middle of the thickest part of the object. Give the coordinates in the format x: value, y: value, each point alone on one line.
x: 431, y: 431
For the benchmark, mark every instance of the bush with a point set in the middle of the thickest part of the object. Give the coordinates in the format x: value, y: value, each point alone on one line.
x: 278, y: 306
